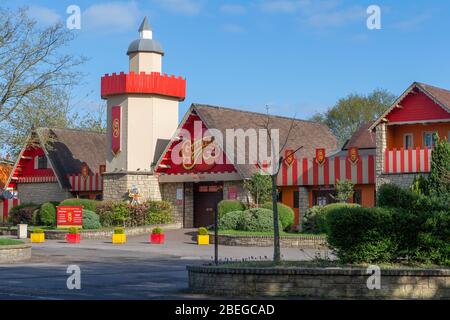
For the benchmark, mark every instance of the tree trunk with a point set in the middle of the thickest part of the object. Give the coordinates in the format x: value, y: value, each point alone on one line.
x: 276, y: 230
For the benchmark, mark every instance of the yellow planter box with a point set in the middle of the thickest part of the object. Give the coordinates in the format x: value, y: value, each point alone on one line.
x: 119, y: 238
x: 203, y: 239
x: 37, y: 237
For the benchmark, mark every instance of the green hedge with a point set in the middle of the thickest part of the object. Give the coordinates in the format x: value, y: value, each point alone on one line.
x: 230, y: 220
x: 285, y: 214
x: 47, y: 214
x: 314, y: 220
x: 91, y: 220
x: 258, y: 220
x: 87, y: 204
x: 226, y: 206
x: 24, y: 213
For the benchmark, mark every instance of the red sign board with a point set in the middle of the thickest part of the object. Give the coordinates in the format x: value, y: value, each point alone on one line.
x: 232, y: 193
x: 115, y: 129
x: 320, y: 155
x: 69, y: 216
x: 353, y: 154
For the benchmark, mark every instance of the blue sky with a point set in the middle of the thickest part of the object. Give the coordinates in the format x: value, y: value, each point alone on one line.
x: 298, y: 56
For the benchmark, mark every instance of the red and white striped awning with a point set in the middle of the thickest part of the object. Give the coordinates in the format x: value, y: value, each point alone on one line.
x: 308, y: 172
x: 407, y: 161
x: 79, y: 182
x: 42, y: 179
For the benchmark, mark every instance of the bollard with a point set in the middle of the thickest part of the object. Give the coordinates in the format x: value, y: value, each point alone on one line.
x: 22, y: 232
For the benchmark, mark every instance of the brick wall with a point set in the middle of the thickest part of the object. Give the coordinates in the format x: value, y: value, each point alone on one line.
x: 169, y: 193
x: 116, y: 185
x: 41, y: 192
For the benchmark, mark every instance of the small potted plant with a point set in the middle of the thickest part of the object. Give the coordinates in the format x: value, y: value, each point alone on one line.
x: 202, y: 236
x: 37, y: 236
x: 73, y: 236
x: 119, y: 236
x: 157, y: 236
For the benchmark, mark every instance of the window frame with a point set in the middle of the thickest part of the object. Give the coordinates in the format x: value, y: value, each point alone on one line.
x: 432, y: 140
x: 42, y: 160
x: 412, y: 140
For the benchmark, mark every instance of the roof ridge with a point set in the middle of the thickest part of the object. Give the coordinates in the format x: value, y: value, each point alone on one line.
x: 432, y: 86
x: 70, y: 129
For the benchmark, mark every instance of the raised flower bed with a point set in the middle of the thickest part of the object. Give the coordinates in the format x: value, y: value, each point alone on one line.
x: 157, y: 236
x: 12, y: 250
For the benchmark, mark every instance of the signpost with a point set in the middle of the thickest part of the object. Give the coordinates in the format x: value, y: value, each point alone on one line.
x: 69, y: 216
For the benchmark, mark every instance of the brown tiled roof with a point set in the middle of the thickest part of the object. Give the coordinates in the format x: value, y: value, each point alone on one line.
x: 442, y: 95
x: 68, y: 149
x: 310, y: 135
x: 363, y: 138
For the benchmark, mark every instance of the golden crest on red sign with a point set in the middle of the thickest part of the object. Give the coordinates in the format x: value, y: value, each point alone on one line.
x: 289, y: 156
x: 320, y: 156
x: 84, y: 170
x: 353, y: 155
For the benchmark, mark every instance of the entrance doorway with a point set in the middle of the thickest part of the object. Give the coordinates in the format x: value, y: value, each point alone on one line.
x: 206, y: 197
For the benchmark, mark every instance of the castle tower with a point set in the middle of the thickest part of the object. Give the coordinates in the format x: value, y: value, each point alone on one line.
x: 142, y: 114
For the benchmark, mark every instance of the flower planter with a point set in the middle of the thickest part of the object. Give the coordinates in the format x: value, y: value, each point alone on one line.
x: 157, y: 238
x: 203, y: 239
x: 73, y: 238
x: 119, y: 238
x: 37, y: 237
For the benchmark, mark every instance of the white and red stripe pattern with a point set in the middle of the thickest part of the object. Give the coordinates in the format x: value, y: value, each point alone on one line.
x: 307, y: 172
x: 42, y: 179
x: 90, y: 183
x: 407, y: 160
x: 7, y: 205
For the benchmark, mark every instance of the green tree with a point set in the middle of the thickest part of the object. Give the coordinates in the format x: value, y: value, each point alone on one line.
x: 349, y: 113
x: 438, y: 181
x: 260, y: 187
x: 344, y: 190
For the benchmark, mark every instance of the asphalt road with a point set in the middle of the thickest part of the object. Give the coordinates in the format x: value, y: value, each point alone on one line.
x: 135, y: 270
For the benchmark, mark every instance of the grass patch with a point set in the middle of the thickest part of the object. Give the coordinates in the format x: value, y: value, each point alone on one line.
x: 254, y: 233
x: 326, y: 264
x: 10, y: 242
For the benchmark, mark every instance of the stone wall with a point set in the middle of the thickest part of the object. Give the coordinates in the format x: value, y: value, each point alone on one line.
x: 242, y: 194
x: 15, y: 253
x: 324, y: 283
x: 41, y: 192
x: 381, y: 143
x: 267, y: 241
x: 183, y: 210
x: 116, y: 185
x: 303, y: 205
x: 402, y: 180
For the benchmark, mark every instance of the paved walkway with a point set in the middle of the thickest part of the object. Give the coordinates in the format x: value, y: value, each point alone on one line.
x: 135, y: 270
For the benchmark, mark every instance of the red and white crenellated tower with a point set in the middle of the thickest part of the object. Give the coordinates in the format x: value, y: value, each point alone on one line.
x: 142, y: 109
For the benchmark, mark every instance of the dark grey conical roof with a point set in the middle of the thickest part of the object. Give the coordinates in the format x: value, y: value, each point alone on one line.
x: 145, y: 45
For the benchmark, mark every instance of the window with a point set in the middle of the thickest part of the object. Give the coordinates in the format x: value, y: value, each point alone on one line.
x: 296, y: 200
x: 357, y: 197
x: 42, y: 162
x: 322, y: 197
x: 428, y: 139
x: 408, y: 141
x: 280, y: 196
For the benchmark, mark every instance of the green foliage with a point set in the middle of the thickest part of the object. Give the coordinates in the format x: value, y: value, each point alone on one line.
x: 260, y: 187
x: 159, y: 212
x: 157, y: 230
x: 258, y: 219
x: 285, y: 214
x: 22, y: 213
x: 113, y: 213
x: 86, y: 203
x: 315, y: 219
x: 47, y: 214
x: 439, y: 179
x: 349, y: 113
x: 38, y: 230
x: 230, y: 220
x: 226, y: 206
x: 119, y: 231
x: 202, y: 231
x: 10, y: 242
x: 344, y: 190
x: 74, y: 230
x: 91, y: 220
x: 419, y: 185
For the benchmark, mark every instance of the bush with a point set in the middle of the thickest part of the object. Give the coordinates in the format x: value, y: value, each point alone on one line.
x: 91, y: 220
x: 87, y: 204
x: 47, y: 214
x: 226, y: 206
x: 230, y: 220
x: 157, y: 230
x: 113, y: 213
x: 38, y: 230
x: 119, y: 231
x: 22, y: 213
x: 315, y: 219
x: 159, y: 212
x: 74, y: 230
x: 202, y: 231
x: 258, y: 220
x: 362, y: 235
x: 285, y: 214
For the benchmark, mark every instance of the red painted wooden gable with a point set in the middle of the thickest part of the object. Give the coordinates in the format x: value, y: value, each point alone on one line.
x: 417, y: 106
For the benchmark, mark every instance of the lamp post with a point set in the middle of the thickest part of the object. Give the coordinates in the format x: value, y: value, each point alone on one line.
x: 216, y: 236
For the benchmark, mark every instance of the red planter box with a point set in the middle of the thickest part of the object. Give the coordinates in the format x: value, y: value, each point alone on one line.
x: 73, y: 238
x: 157, y: 238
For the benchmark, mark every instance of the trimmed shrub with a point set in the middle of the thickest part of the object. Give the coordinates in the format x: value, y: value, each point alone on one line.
x: 113, y: 213
x: 87, y: 204
x: 258, y: 220
x: 315, y: 219
x: 22, y: 213
x: 38, y: 230
x: 119, y: 231
x: 226, y: 206
x: 285, y: 214
x: 202, y: 231
x: 230, y: 220
x: 157, y: 230
x: 158, y: 212
x: 91, y: 220
x: 361, y: 235
x: 74, y: 230
x: 47, y: 214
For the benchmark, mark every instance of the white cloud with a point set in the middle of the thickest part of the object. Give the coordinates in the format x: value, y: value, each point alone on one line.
x: 235, y: 9
x: 43, y: 15
x: 283, y: 6
x: 336, y: 18
x: 233, y: 28
x: 184, y: 7
x: 413, y: 22
x: 111, y: 17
